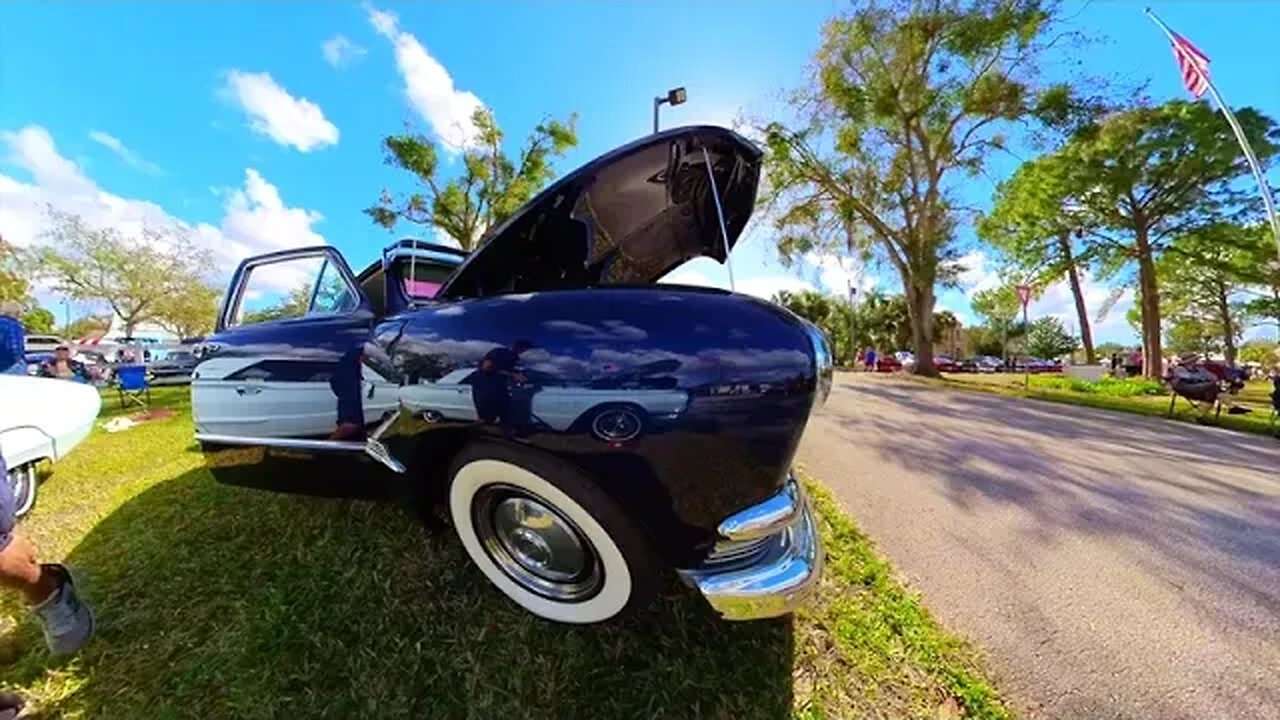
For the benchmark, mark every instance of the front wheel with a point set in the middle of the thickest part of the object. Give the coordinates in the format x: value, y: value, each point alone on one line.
x: 547, y: 537
x: 22, y: 482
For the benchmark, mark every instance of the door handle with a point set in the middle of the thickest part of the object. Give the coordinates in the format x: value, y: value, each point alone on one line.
x: 248, y: 390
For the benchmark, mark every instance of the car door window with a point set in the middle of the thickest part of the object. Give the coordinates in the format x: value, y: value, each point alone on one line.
x: 292, y: 288
x: 333, y: 294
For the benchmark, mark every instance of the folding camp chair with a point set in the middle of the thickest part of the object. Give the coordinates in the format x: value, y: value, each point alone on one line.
x: 132, y: 386
x: 1203, y: 393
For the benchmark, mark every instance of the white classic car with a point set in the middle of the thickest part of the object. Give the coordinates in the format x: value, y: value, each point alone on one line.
x: 41, y: 419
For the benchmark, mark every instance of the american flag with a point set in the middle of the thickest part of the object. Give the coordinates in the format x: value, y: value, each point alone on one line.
x: 1193, y: 63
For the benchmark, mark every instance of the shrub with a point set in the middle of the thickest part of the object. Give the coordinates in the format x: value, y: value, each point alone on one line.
x: 1114, y: 387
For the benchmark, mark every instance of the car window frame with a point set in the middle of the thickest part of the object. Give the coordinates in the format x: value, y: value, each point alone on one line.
x: 330, y: 256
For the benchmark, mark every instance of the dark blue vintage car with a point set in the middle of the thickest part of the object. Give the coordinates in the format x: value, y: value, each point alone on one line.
x: 585, y: 427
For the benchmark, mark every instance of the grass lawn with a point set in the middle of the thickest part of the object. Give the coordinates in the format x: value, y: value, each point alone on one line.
x: 216, y: 601
x: 1256, y: 395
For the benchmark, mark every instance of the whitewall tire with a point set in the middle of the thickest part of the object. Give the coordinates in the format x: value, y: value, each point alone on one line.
x: 547, y: 536
x: 24, y: 481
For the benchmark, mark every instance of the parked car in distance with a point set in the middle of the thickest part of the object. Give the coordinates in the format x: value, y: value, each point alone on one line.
x: 1039, y: 365
x: 42, y: 344
x: 888, y: 363
x: 40, y: 420
x: 582, y: 425
x: 174, y: 367
x: 988, y: 364
x: 946, y: 364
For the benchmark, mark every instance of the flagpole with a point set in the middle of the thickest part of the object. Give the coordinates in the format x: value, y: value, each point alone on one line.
x: 1261, y: 179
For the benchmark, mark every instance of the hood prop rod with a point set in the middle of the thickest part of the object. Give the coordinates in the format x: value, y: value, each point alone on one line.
x: 724, y: 234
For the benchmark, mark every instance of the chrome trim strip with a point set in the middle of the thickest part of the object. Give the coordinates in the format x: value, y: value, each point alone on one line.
x: 370, y: 447
x: 775, y: 584
x: 763, y: 519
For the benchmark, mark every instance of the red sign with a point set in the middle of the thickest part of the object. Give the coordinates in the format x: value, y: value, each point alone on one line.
x: 1024, y: 294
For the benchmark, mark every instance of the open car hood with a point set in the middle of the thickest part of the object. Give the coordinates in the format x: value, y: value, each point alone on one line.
x: 626, y: 218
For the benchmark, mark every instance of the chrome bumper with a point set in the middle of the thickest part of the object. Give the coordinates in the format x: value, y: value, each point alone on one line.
x: 780, y: 573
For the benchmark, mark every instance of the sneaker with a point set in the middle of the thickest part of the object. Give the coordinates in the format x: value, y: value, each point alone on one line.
x: 10, y: 706
x: 68, y: 622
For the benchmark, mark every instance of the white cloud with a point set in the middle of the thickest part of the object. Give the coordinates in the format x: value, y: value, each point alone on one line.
x: 766, y: 286
x: 427, y: 84
x: 340, y: 52
x: 761, y: 286
x: 32, y: 149
x: 113, y: 143
x: 1056, y: 300
x: 256, y: 218
x: 275, y: 113
x: 976, y: 273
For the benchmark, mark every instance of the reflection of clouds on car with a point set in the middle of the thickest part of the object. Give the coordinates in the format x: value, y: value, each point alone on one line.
x: 607, y: 330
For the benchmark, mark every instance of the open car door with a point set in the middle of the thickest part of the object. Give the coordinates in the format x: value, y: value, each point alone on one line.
x: 284, y: 367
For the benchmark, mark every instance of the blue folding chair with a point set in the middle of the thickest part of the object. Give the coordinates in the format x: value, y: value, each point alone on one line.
x: 132, y: 386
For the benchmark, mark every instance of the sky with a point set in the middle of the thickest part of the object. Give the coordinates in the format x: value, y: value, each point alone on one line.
x: 257, y: 126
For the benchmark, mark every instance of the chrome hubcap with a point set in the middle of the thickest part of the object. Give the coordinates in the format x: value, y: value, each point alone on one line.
x: 535, y: 544
x: 616, y: 425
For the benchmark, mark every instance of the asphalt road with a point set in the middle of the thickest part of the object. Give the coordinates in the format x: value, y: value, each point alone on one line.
x: 1111, y: 566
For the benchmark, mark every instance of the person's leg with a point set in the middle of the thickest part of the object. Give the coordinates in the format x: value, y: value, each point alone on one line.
x: 48, y: 589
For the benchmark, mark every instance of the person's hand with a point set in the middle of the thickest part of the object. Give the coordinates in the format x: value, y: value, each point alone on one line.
x: 519, y: 378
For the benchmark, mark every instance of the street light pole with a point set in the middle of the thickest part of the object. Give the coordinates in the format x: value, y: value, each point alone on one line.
x: 674, y: 96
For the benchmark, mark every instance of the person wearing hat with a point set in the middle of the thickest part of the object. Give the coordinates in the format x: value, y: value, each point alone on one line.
x: 62, y: 366
x: 13, y: 340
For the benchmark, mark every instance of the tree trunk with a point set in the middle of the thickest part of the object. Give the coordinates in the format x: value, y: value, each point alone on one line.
x: 1082, y: 313
x: 1150, y: 291
x: 920, y: 308
x: 1228, y: 327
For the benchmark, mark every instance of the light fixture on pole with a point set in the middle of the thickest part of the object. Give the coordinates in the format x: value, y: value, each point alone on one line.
x: 675, y: 96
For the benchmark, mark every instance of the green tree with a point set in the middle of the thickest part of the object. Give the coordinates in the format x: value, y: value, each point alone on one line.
x: 1202, y: 274
x: 134, y: 275
x: 998, y: 308
x: 1261, y: 274
x: 1033, y: 226
x: 191, y: 311
x: 491, y: 186
x: 1047, y: 338
x: 984, y: 340
x: 294, y: 303
x: 830, y: 314
x: 38, y: 320
x: 907, y: 96
x: 1146, y: 175
x: 86, y: 326
x: 1263, y: 352
x: 13, y: 287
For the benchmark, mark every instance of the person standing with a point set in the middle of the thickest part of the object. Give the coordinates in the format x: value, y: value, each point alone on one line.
x: 13, y: 340
x: 871, y: 359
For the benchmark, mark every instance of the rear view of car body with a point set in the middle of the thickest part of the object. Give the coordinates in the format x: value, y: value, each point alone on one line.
x: 563, y: 403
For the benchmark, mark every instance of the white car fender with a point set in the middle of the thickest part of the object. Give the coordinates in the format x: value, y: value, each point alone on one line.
x: 42, y: 418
